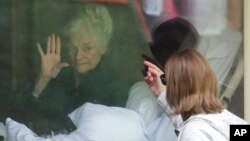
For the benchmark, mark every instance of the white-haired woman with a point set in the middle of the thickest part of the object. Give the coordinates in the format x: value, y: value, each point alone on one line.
x: 61, y: 87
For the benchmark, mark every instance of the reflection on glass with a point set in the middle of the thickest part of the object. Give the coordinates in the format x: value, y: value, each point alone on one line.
x: 102, y: 55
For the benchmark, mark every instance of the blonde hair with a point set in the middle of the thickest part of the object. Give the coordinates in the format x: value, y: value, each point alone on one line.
x: 192, y: 87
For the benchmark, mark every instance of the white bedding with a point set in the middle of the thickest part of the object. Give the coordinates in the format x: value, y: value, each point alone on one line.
x: 158, y: 125
x: 2, y: 130
x: 141, y: 120
x: 94, y: 123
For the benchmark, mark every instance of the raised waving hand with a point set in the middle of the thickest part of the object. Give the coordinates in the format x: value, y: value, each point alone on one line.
x: 51, y: 63
x: 51, y: 60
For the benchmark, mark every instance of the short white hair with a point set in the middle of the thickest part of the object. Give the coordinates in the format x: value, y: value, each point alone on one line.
x: 98, y: 18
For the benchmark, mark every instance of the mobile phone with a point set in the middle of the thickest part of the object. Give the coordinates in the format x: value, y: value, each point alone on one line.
x: 151, y: 60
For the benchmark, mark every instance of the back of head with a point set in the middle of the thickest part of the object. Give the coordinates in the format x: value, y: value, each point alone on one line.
x: 172, y: 35
x: 192, y: 85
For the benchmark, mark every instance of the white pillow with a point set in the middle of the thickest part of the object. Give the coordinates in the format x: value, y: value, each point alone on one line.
x: 94, y: 122
x: 3, y: 130
x: 158, y: 126
x: 103, y: 123
x: 142, y: 101
x: 19, y: 132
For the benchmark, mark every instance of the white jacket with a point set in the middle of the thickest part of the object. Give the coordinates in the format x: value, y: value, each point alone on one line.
x: 205, y: 127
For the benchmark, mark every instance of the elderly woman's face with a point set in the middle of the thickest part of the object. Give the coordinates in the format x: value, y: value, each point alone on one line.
x: 85, y: 51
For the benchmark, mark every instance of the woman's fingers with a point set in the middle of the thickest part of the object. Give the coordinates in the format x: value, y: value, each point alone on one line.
x: 150, y: 76
x: 149, y: 64
x: 40, y: 49
x: 62, y: 65
x: 48, y: 45
x: 155, y: 74
x: 58, y: 45
x: 155, y: 71
x: 53, y: 44
x: 58, y: 69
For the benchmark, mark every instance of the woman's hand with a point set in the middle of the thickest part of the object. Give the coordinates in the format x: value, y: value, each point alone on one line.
x: 153, y: 79
x: 51, y: 60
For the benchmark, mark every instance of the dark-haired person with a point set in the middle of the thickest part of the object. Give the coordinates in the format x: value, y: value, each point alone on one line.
x: 192, y: 92
x: 169, y: 37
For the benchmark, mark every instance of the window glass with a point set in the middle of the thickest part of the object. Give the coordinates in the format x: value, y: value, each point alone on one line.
x: 68, y: 52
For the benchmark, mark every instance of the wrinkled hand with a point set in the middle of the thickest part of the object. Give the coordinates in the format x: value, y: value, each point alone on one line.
x: 153, y: 79
x: 51, y: 60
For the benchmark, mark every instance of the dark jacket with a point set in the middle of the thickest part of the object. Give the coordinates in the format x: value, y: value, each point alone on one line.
x: 102, y: 85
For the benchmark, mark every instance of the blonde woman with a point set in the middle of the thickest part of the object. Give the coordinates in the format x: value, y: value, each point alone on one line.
x: 191, y: 97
